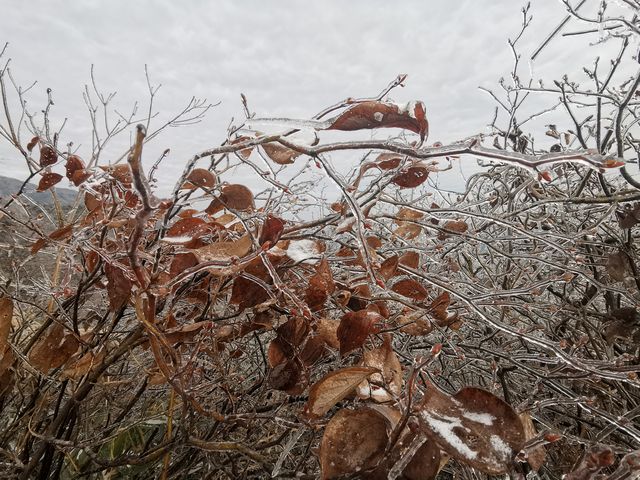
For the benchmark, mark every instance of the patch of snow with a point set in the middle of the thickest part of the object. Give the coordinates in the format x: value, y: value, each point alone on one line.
x: 444, y: 426
x: 178, y: 239
x: 500, y: 447
x: 378, y: 116
x: 483, y: 418
x: 303, y: 250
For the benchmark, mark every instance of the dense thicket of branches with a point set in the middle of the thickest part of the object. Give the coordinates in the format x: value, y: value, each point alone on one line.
x: 402, y: 333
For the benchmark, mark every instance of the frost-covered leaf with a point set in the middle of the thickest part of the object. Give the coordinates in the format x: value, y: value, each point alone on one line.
x: 535, y: 456
x: 388, y: 268
x: 333, y: 387
x: 32, y: 143
x: 48, y: 156
x: 224, y: 251
x: 594, y: 460
x: 6, y: 314
x: 617, y: 266
x: 305, y: 250
x: 48, y: 180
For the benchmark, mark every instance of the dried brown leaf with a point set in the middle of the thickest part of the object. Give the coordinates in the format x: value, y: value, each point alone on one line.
x: 355, y: 327
x: 333, y: 387
x: 48, y: 180
x: 376, y: 114
x: 53, y: 349
x: 353, y: 441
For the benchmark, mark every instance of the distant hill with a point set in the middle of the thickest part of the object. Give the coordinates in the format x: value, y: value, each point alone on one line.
x: 9, y: 186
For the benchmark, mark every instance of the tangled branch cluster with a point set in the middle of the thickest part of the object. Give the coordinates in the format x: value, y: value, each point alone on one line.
x: 404, y: 333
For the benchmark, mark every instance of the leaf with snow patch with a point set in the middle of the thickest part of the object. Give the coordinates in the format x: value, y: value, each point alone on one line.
x: 474, y: 426
x: 387, y: 383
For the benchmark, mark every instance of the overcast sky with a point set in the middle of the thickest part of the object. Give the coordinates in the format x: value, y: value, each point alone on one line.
x: 290, y: 58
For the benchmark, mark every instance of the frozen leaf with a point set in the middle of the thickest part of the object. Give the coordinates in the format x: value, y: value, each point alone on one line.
x: 629, y: 217
x: 181, y: 262
x: 188, y: 232
x: 48, y: 180
x: 32, y: 143
x: 224, y: 251
x: 271, y: 231
x: 383, y: 386
x: 75, y: 170
x: 245, y: 152
x: 410, y: 259
x: 327, y: 329
x: 388, y: 268
x: 119, y: 286
x: 48, y: 156
x: 120, y: 172
x: 333, y: 387
x: 406, y: 213
x: 279, y: 153
x: 246, y: 292
x: 321, y: 285
x: 411, y: 289
x: 617, y: 266
x: 82, y: 365
x: 594, y: 460
x: 53, y: 349
x: 388, y: 161
x: 288, y: 377
x: 314, y: 349
x: 455, y: 226
x: 439, y: 306
x: 353, y: 441
x: 376, y: 114
x: 59, y: 234
x: 355, y: 327
x: 233, y: 197
x: 414, y: 324
x: 199, y: 177
x: 474, y: 426
x: 536, y: 455
x: 411, y: 177
x: 407, y: 230
x: 6, y: 314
